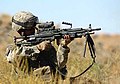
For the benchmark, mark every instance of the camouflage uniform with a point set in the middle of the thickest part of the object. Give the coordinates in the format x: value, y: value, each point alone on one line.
x: 26, y: 59
x: 29, y: 59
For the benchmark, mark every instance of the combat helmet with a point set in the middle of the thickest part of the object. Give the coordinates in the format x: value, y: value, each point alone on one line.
x: 23, y: 20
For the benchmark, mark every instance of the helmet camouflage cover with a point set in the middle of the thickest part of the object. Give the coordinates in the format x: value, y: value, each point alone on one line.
x: 23, y: 20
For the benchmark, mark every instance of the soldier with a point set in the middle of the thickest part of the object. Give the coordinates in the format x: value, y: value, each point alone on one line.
x: 41, y: 59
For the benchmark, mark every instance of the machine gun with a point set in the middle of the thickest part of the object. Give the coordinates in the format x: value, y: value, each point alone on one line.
x: 47, y: 31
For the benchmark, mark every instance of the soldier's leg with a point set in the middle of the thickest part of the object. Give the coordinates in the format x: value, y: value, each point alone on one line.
x: 43, y: 72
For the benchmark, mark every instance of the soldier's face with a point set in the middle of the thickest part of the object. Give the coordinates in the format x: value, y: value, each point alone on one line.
x: 26, y: 32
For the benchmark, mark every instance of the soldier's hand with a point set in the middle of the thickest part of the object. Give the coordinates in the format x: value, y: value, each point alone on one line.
x: 45, y: 45
x: 66, y: 40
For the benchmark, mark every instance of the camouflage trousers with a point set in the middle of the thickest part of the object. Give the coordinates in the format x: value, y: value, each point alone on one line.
x: 44, y: 73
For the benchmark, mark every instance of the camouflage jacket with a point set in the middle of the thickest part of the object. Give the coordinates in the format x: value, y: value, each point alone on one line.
x: 27, y: 58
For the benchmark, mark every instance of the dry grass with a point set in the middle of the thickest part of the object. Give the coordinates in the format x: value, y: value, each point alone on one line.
x: 105, y: 71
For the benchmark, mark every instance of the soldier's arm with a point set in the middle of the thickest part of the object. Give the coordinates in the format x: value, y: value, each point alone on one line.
x: 13, y: 50
x: 62, y: 55
x: 62, y: 52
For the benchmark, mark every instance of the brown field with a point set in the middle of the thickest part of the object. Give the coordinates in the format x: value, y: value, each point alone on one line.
x: 106, y: 70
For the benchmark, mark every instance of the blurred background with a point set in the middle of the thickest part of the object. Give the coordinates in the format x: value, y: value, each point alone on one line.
x: 81, y: 13
x: 104, y: 14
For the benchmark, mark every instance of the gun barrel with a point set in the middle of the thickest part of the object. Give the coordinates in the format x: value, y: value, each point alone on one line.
x: 98, y: 29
